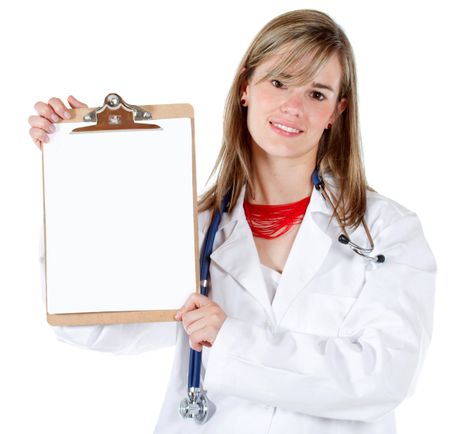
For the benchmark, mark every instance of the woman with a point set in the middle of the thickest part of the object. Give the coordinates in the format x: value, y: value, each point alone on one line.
x: 299, y: 333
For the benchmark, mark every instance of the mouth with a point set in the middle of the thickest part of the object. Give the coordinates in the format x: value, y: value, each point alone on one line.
x: 284, y: 129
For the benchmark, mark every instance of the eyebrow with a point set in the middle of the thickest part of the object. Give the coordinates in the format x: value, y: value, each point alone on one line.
x: 323, y: 86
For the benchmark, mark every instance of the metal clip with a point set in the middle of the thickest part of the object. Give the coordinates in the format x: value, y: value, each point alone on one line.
x: 116, y: 115
x: 114, y: 101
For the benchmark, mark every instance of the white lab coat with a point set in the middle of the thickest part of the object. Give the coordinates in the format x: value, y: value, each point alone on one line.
x: 339, y: 348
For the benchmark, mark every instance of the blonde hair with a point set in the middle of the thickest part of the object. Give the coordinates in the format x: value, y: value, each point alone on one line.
x: 295, y: 35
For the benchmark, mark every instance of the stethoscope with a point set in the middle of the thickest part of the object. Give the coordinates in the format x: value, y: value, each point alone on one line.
x: 196, y: 405
x: 344, y: 238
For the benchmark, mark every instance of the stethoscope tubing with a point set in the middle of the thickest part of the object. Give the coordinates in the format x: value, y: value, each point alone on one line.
x: 195, y: 357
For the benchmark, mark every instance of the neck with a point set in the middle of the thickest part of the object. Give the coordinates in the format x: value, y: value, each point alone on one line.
x: 279, y: 180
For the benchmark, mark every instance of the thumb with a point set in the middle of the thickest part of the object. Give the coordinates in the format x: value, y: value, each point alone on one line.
x: 194, y: 301
x: 74, y: 103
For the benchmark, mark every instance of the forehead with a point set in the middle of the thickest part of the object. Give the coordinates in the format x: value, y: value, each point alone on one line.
x: 329, y: 73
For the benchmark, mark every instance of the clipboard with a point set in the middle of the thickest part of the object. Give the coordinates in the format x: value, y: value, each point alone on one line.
x: 120, y: 214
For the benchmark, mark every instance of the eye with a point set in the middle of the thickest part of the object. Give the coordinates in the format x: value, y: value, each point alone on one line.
x: 318, y: 95
x: 277, y: 83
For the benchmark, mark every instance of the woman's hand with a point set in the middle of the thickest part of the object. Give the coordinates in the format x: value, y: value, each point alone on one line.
x: 202, y: 320
x: 48, y: 114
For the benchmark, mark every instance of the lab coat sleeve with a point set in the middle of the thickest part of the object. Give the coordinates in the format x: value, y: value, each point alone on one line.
x: 133, y: 338
x: 363, y: 372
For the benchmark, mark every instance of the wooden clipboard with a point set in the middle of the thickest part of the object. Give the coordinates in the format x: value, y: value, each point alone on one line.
x: 120, y: 214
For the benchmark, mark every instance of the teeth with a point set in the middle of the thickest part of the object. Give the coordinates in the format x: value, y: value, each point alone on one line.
x: 285, y: 128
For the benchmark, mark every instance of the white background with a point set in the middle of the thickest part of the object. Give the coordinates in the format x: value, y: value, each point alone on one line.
x: 179, y: 51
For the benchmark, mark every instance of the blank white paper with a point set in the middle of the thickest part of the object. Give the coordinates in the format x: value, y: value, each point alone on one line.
x: 119, y: 218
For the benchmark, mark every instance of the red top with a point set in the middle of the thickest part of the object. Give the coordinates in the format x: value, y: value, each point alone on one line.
x: 271, y: 221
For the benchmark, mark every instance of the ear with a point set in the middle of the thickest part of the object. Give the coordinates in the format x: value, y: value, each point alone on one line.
x: 341, y: 106
x: 244, y: 85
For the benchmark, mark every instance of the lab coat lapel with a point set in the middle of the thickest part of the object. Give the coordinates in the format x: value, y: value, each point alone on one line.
x: 308, y: 251
x: 238, y: 256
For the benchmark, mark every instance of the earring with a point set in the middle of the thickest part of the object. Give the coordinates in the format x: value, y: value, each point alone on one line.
x: 243, y: 102
x: 329, y: 127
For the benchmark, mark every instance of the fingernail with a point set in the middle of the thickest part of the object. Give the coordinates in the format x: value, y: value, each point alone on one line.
x: 55, y: 118
x: 177, y: 315
x: 51, y: 128
x: 67, y: 115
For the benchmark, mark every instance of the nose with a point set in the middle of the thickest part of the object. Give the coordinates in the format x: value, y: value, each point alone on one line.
x: 293, y: 103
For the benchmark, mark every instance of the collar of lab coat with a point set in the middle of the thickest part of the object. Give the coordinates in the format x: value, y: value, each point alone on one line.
x: 238, y: 256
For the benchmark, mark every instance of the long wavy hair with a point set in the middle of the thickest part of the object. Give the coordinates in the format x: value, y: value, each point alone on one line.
x: 296, y: 34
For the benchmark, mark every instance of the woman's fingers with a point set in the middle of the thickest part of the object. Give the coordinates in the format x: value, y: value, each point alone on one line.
x: 74, y: 103
x: 195, y: 322
x: 53, y: 111
x: 200, y: 333
x: 204, y: 337
x: 42, y: 123
x: 39, y: 136
x: 212, y: 311
x: 194, y: 301
x: 59, y: 108
x: 39, y: 130
x: 202, y: 320
x: 46, y: 111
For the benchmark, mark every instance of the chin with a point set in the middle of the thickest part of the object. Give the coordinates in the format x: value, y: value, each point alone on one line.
x: 285, y: 152
x: 282, y: 150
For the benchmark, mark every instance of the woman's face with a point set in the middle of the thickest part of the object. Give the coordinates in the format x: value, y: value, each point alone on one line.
x: 288, y: 121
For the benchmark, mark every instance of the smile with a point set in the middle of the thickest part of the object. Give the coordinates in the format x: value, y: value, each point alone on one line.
x: 280, y: 128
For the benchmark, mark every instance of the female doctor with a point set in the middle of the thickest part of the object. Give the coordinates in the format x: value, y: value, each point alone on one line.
x: 301, y: 333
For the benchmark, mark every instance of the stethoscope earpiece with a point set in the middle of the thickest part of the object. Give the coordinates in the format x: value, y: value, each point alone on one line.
x: 344, y: 238
x: 381, y: 258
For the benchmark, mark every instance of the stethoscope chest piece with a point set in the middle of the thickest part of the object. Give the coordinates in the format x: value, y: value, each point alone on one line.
x: 196, y: 406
